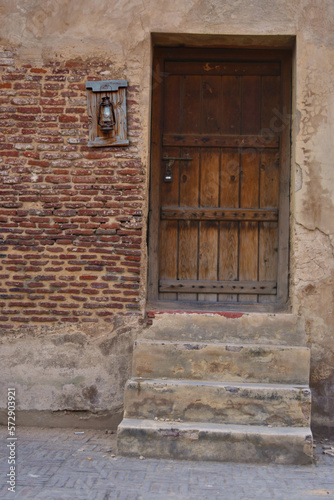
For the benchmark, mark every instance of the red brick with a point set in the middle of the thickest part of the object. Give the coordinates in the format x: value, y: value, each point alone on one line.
x: 52, y: 110
x: 58, y: 284
x: 84, y: 179
x: 38, y: 319
x: 53, y: 102
x: 55, y: 179
x: 12, y: 154
x: 13, y: 77
x: 69, y: 94
x: 67, y: 119
x: 76, y: 110
x: 89, y: 291
x: 29, y: 109
x: 38, y: 70
x: 78, y: 298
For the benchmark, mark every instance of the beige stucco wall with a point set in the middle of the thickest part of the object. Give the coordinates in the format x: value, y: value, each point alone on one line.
x: 120, y: 31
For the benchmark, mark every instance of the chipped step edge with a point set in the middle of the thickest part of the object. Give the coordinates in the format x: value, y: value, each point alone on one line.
x: 215, y: 442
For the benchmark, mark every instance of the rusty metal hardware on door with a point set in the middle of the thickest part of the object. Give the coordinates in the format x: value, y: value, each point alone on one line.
x: 168, y: 177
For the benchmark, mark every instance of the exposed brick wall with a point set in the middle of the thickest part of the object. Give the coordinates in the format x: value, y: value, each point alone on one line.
x: 70, y: 215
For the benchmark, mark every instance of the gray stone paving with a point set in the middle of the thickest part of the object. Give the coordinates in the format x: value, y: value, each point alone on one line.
x: 58, y: 464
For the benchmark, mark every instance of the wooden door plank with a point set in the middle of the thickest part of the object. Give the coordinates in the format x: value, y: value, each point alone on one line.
x: 211, y: 104
x: 168, y: 243
x: 251, y: 105
x: 228, y: 256
x: 188, y: 255
x: 248, y: 248
x: 208, y: 256
x: 270, y: 105
x: 191, y: 105
x: 168, y: 237
x: 172, y: 104
x: 249, y: 179
x: 248, y: 231
x: 188, y: 230
x: 268, y: 242
x: 209, y: 178
x: 268, y: 232
x: 229, y: 197
x: 231, y: 105
x: 208, y: 230
x: 269, y: 179
x: 189, y: 178
x: 229, y: 179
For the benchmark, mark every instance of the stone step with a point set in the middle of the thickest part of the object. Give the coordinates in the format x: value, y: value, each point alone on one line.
x: 252, y: 328
x: 215, y: 442
x: 221, y: 362
x: 217, y: 402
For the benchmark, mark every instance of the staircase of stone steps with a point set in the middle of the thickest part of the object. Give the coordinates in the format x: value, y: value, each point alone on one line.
x: 211, y: 387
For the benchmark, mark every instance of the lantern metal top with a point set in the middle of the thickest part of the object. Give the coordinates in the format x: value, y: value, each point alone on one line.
x: 106, y: 85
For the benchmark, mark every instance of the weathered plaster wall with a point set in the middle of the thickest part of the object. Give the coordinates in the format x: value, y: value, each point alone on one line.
x: 119, y: 34
x: 71, y: 377
x: 313, y: 224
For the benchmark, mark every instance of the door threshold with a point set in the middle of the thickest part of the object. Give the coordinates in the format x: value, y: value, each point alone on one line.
x: 220, y: 308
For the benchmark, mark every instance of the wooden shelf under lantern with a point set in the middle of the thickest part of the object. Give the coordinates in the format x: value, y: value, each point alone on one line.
x: 109, y: 96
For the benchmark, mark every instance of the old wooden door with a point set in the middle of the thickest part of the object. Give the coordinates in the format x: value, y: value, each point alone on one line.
x: 219, y: 212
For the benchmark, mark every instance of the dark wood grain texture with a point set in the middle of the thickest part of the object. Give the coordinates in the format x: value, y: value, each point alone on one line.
x: 219, y: 231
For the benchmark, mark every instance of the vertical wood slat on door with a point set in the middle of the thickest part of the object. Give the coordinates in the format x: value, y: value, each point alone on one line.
x: 211, y: 113
x: 251, y: 105
x: 208, y: 230
x: 231, y: 105
x: 270, y: 105
x: 249, y: 182
x: 268, y: 231
x: 228, y: 234
x: 189, y: 182
x: 172, y: 104
x: 248, y: 231
x: 269, y: 183
x: 188, y: 230
x: 191, y: 105
x: 168, y: 237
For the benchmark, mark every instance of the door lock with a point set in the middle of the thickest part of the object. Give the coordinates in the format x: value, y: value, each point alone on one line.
x: 168, y: 177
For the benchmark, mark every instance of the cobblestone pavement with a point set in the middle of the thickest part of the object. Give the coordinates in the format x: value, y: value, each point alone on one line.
x: 59, y: 464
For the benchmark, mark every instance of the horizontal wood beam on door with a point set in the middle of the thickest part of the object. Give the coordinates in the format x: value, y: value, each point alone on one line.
x: 226, y: 141
x: 216, y: 214
x: 217, y: 68
x: 202, y: 286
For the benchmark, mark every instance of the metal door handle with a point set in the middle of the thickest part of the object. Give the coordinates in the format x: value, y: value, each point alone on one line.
x: 168, y: 177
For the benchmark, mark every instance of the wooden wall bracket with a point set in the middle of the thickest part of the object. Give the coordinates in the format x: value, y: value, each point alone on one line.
x: 116, y: 91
